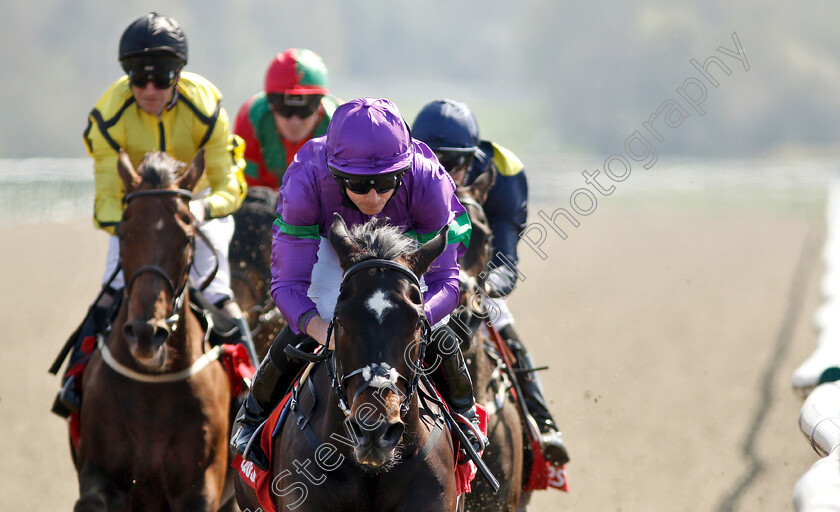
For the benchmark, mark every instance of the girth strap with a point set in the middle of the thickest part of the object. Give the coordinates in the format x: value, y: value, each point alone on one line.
x: 302, y: 418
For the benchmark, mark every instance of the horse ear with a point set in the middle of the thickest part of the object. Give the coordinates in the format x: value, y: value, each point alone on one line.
x: 131, y: 180
x: 420, y: 260
x: 188, y: 180
x: 481, y: 186
x: 341, y: 241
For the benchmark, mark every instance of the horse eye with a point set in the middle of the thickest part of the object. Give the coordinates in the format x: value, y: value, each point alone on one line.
x: 414, y: 295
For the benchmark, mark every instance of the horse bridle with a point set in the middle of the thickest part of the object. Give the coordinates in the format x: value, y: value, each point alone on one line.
x: 177, y: 292
x: 338, y: 381
x: 470, y: 201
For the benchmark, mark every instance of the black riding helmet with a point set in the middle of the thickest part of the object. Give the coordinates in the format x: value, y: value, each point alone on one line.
x: 153, y: 37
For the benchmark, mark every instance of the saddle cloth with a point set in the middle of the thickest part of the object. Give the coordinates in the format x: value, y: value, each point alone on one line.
x: 544, y: 475
x: 256, y: 478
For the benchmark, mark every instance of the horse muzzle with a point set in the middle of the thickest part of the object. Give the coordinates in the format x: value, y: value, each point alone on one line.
x: 375, y: 442
x: 145, y: 338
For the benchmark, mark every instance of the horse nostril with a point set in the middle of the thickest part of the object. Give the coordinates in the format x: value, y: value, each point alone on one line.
x: 161, y: 334
x: 357, y: 432
x: 391, y: 436
x: 144, y: 332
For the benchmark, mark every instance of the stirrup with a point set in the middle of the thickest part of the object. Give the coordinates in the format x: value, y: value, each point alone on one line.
x: 479, y: 440
x: 553, y: 448
x: 68, y: 400
x: 253, y: 452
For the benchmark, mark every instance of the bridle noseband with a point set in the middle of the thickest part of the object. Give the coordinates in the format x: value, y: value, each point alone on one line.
x: 376, y: 370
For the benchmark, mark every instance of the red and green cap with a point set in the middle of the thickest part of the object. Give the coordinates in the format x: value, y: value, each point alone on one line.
x: 296, y: 71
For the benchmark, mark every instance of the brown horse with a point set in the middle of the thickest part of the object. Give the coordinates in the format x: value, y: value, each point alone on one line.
x: 155, y: 418
x: 367, y: 442
x: 250, y: 264
x: 504, y: 454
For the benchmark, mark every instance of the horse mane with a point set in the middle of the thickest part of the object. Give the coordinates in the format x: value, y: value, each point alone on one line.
x: 377, y: 239
x: 160, y: 170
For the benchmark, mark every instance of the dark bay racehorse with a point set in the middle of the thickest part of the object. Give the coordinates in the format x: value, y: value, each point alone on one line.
x: 367, y: 442
x: 155, y: 418
x: 504, y: 454
x: 250, y: 265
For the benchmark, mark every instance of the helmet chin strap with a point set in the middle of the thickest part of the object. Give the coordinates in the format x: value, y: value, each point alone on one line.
x: 171, y: 104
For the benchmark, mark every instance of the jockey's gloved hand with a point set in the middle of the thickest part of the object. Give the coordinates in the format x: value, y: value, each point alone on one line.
x: 500, y: 282
x: 200, y: 210
x: 467, y: 285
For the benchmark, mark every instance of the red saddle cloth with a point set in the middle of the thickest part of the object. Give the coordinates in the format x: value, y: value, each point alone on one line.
x: 238, y: 366
x: 255, y: 477
x: 233, y: 357
x: 260, y: 481
x: 545, y: 475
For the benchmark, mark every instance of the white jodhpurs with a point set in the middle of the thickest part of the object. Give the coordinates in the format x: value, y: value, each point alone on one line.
x: 498, y: 311
x: 219, y: 232
x: 326, y: 282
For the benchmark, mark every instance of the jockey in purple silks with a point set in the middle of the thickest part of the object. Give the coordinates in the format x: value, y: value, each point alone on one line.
x: 366, y: 166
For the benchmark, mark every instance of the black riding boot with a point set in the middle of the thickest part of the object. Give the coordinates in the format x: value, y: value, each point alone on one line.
x: 69, y: 397
x: 453, y: 381
x: 271, y: 381
x: 554, y: 450
x: 246, y: 339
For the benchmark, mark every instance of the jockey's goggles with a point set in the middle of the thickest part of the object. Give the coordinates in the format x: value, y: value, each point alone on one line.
x: 161, y: 79
x: 363, y: 184
x: 301, y: 105
x: 454, y: 161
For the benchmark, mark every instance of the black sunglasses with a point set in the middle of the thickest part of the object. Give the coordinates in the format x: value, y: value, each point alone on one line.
x: 301, y: 105
x: 161, y: 79
x: 363, y: 185
x: 454, y: 161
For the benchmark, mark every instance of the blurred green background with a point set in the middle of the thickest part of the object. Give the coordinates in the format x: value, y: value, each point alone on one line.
x: 543, y: 77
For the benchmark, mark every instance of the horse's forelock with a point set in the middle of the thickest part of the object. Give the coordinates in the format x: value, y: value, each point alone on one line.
x: 376, y: 239
x: 160, y: 169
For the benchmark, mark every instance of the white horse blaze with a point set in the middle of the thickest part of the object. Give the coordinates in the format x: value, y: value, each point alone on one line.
x: 378, y: 304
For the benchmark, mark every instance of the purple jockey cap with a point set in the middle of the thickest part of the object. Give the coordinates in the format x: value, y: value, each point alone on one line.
x: 368, y: 136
